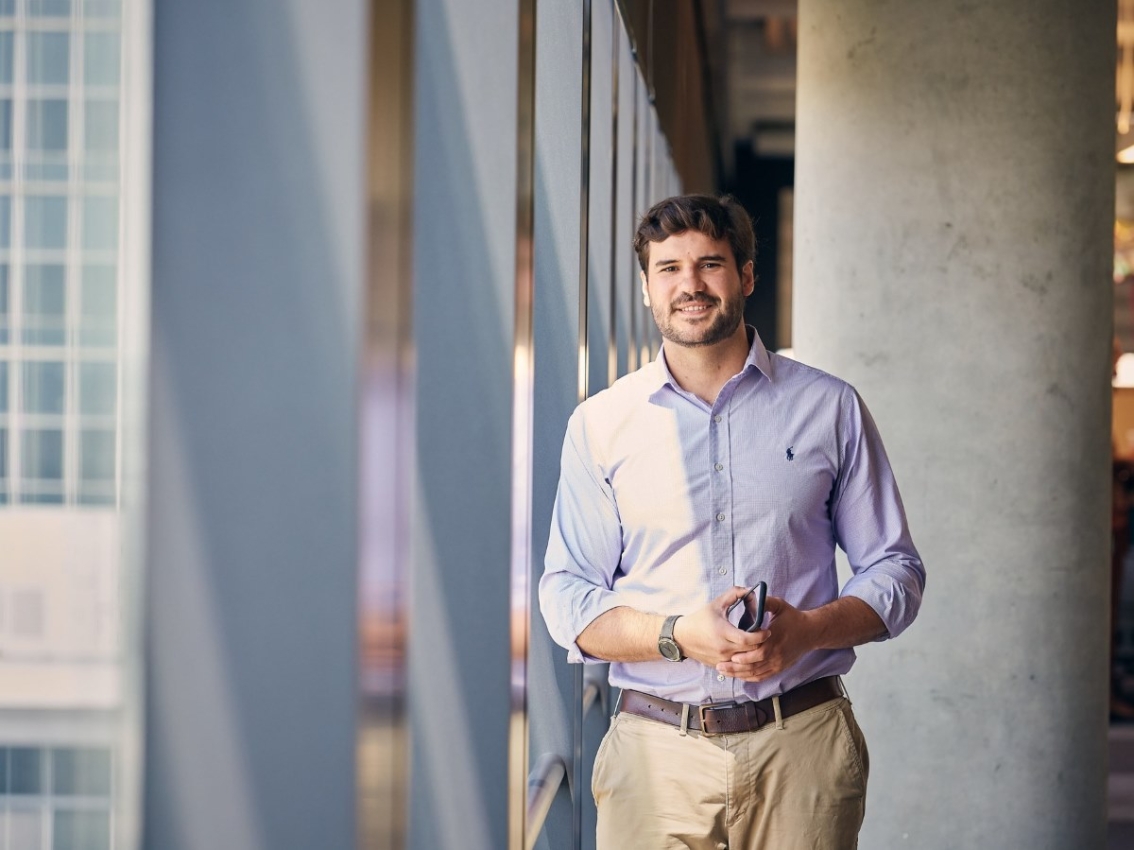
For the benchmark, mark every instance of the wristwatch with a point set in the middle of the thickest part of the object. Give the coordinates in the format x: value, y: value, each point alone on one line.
x: 667, y: 646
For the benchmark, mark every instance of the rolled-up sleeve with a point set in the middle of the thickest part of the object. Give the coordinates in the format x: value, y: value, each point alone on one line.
x: 584, y: 548
x: 870, y: 524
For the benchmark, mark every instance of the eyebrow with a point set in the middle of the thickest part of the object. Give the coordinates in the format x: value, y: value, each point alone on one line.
x: 717, y: 257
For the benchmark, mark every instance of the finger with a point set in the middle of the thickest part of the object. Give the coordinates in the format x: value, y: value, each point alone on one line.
x: 751, y: 657
x: 775, y: 605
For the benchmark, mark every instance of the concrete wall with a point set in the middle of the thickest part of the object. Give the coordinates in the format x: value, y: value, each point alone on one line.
x: 954, y: 201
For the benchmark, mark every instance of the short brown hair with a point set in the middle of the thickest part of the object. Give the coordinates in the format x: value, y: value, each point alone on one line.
x: 717, y: 217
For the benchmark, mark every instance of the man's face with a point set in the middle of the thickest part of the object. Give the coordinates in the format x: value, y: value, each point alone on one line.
x: 694, y: 289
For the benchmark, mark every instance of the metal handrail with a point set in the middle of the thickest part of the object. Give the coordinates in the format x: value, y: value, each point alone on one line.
x: 548, y: 774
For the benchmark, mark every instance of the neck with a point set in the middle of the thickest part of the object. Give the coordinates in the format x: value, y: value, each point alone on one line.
x: 703, y: 370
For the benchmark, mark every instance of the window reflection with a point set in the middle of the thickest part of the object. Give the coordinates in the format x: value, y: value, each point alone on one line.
x: 62, y: 705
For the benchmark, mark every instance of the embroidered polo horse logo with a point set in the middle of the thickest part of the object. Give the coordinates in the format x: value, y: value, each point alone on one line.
x: 790, y: 453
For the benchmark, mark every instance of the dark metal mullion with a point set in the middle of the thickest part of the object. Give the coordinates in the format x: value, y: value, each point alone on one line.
x: 612, y: 341
x: 578, y: 789
x: 522, y: 415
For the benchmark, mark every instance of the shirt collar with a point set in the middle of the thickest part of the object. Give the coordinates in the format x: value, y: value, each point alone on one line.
x: 757, y: 359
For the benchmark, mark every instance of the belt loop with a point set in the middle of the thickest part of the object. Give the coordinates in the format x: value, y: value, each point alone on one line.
x: 779, y: 714
x: 618, y: 702
x: 684, y: 719
x: 843, y: 688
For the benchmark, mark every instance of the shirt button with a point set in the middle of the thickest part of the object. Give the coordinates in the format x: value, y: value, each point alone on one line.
x: 717, y: 418
x: 720, y: 677
x: 720, y: 517
x: 722, y: 570
x: 718, y: 467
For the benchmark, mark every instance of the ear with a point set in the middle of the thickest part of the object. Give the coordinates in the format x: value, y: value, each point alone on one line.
x: 645, y: 289
x: 748, y: 278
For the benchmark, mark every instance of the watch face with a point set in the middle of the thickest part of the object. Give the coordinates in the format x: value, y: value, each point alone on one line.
x: 669, y: 649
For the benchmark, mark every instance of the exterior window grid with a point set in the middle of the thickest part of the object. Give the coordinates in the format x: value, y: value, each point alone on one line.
x: 47, y: 803
x: 19, y: 185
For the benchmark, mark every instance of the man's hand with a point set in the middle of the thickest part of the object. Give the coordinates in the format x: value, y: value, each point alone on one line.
x: 707, y: 636
x: 788, y: 637
x: 793, y: 633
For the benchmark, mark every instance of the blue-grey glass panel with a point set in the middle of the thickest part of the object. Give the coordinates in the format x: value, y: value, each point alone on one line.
x: 98, y: 383
x: 43, y: 386
x: 5, y: 221
x: 47, y: 125
x: 80, y: 830
x: 96, y: 454
x: 100, y: 223
x: 46, y: 172
x: 102, y: 8
x: 4, y: 490
x: 3, y: 750
x: 3, y: 292
x: 26, y: 768
x: 41, y: 453
x: 45, y: 304
x: 101, y: 172
x: 3, y: 387
x: 101, y: 56
x: 80, y: 771
x: 7, y: 41
x: 100, y: 125
x: 49, y: 8
x: 48, y: 57
x: 96, y: 494
x: 6, y: 172
x: 7, y: 8
x: 5, y: 124
x: 98, y: 316
x: 27, y: 497
x: 45, y: 221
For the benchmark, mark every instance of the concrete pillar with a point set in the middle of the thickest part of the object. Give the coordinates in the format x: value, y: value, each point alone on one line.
x: 954, y: 198
x: 251, y: 568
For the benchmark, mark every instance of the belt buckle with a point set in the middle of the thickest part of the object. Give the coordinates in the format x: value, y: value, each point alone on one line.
x: 712, y: 706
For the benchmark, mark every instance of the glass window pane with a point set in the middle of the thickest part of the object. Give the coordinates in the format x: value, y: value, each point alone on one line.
x: 47, y: 125
x: 25, y: 828
x: 43, y: 387
x: 5, y: 221
x: 100, y: 127
x: 5, y: 125
x: 7, y: 40
x: 45, y: 222
x: 83, y: 772
x: 26, y: 766
x: 48, y: 57
x: 7, y: 8
x: 99, y: 307
x: 96, y: 454
x: 41, y: 454
x: 81, y: 830
x: 100, y: 223
x: 101, y: 8
x: 45, y: 305
x: 49, y: 8
x: 97, y: 385
x: 3, y: 497
x: 4, y: 317
x: 100, y: 59
x: 3, y: 750
x: 3, y: 387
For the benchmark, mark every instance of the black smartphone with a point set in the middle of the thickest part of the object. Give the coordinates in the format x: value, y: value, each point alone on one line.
x: 753, y: 615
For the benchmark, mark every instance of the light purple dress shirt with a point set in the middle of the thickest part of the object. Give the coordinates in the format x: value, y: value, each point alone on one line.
x: 665, y: 502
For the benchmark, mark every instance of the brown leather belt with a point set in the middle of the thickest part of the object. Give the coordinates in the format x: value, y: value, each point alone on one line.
x: 727, y: 718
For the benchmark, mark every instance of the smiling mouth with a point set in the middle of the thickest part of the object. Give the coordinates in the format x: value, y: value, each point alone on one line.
x: 694, y: 308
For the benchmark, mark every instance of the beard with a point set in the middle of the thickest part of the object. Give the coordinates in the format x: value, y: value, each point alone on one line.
x: 729, y: 316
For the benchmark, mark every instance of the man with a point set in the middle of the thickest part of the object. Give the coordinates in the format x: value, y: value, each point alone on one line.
x: 716, y: 466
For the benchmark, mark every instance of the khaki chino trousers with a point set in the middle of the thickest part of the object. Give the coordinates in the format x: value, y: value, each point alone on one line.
x: 796, y: 786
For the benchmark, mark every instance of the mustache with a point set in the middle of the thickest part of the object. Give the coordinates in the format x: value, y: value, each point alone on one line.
x: 678, y: 303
